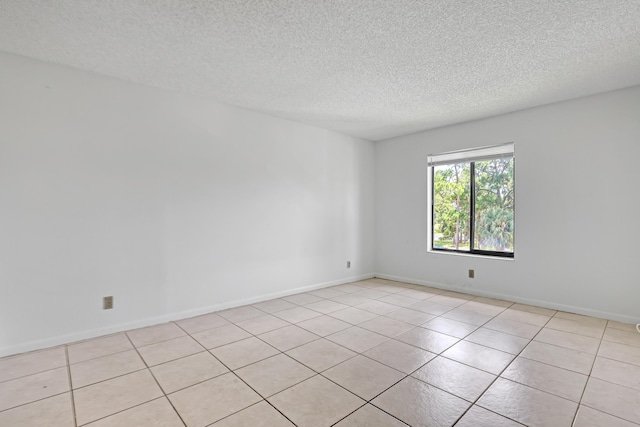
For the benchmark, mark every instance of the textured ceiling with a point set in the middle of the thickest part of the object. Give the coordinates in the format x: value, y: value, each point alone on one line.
x: 370, y: 68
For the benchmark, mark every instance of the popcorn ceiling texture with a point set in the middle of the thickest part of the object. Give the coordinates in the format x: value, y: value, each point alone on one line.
x: 369, y: 68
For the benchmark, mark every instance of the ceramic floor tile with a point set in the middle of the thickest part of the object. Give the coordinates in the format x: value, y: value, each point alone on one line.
x: 568, y: 340
x: 413, y: 317
x: 534, y: 309
x: 527, y: 405
x: 493, y: 301
x: 363, y: 377
x: 289, y: 337
x: 326, y: 293
x: 482, y: 308
x: 157, y: 413
x: 348, y: 288
x: 588, y: 417
x: 33, y: 387
x: 398, y: 333
x: 324, y: 325
x: 629, y: 327
x: 458, y: 379
x: 559, y: 356
x: 398, y: 355
x: 399, y: 300
x: 98, y: 347
x: 272, y: 375
x: 631, y: 338
x: 616, y: 372
x: 417, y: 294
x: 524, y: 317
x: 321, y: 354
x: 621, y: 352
x: 459, y: 295
x: 513, y: 327
x: 239, y: 314
x: 155, y: 334
x: 370, y: 416
x: 297, y: 314
x: 353, y: 315
x: 432, y: 341
x: 386, y: 326
x: 259, y: 415
x: 586, y: 320
x: 448, y: 300
x: 479, y: 356
x: 106, y: 398
x: 242, y: 353
x: 420, y: 404
x: 548, y: 378
x: 300, y: 402
x: 391, y: 288
x: 274, y: 305
x: 212, y: 400
x: 377, y: 307
x: 31, y: 363
x: 576, y: 327
x: 221, y: 336
x: 262, y: 324
x: 372, y: 294
x: 357, y: 339
x: 53, y: 411
x: 166, y: 351
x: 301, y: 299
x: 202, y: 323
x: 450, y: 327
x: 350, y: 299
x: 326, y: 306
x: 427, y: 289
x: 187, y: 371
x: 368, y: 284
x: 467, y: 316
x: 498, y: 340
x: 480, y: 417
x: 613, y: 399
x: 104, y: 368
x: 429, y: 307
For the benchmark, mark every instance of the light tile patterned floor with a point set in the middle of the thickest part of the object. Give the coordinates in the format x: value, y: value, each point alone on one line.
x: 369, y: 353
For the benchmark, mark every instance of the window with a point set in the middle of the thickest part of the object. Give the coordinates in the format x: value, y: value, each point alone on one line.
x: 473, y: 200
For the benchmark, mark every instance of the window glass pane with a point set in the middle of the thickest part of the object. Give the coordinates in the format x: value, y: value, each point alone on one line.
x: 494, y: 204
x: 452, y: 207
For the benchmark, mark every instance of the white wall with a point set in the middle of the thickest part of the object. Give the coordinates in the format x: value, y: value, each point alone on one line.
x: 577, y: 207
x: 173, y: 205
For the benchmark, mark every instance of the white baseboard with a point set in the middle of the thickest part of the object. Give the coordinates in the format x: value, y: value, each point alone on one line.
x: 150, y: 321
x: 529, y: 301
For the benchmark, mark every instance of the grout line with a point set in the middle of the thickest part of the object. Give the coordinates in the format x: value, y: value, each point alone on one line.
x: 231, y: 371
x: 72, y: 395
x: 156, y: 380
x: 284, y: 353
x: 34, y: 373
x: 100, y: 357
x: 584, y: 389
x: 33, y: 401
x: 499, y: 375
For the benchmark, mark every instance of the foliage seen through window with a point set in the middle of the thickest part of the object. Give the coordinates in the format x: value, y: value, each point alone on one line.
x: 473, y: 207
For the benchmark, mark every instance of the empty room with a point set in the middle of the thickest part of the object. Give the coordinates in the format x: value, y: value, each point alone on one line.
x: 319, y: 213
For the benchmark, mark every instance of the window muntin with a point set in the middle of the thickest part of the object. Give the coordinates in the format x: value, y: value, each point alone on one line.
x: 473, y: 200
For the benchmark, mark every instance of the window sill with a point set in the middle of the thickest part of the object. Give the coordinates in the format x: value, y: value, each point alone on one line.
x: 499, y: 258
